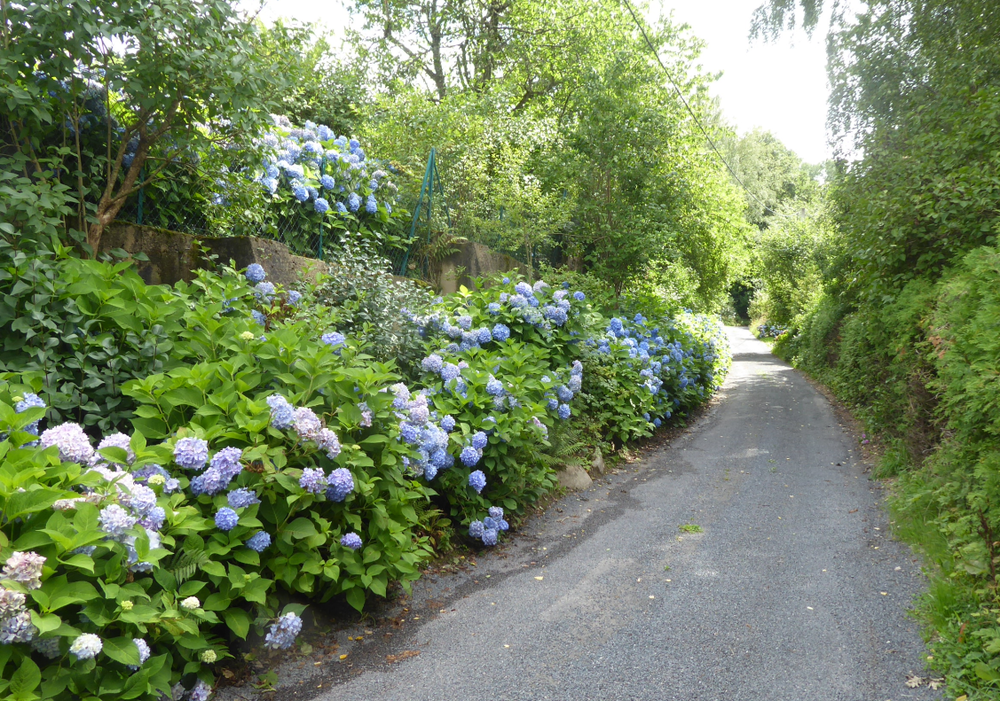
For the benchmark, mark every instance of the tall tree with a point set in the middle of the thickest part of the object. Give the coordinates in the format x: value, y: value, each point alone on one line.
x: 174, y: 77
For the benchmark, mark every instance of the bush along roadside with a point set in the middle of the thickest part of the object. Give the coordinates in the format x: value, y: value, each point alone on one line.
x: 278, y: 459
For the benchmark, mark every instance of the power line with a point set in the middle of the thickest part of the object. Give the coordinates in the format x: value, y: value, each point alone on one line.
x: 642, y: 29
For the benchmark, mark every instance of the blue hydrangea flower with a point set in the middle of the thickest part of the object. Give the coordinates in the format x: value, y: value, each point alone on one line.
x: 577, y: 368
x: 191, y: 453
x: 494, y: 308
x: 321, y: 206
x: 496, y: 512
x: 294, y: 297
x: 409, y: 433
x: 432, y: 363
x: 490, y: 536
x: 484, y: 335
x: 564, y: 393
x: 354, y: 202
x: 494, y: 387
x: 327, y: 182
x: 282, y: 413
x: 371, y: 205
x: 501, y: 333
x: 448, y: 423
x: 465, y: 322
x: 579, y: 296
x: 657, y: 422
x: 351, y: 540
x: 479, y: 440
x: 523, y: 289
x: 115, y: 521
x: 575, y: 383
x: 259, y: 541
x: 469, y: 456
x: 553, y: 404
x: 476, y: 529
x: 341, y: 484
x: 299, y: 191
x: 334, y: 338
x: 227, y: 462
x: 242, y: 498
x: 282, y: 634
x: 226, y: 519
x: 506, y: 281
x: 450, y: 371
x: 313, y: 480
x: 341, y: 209
x: 86, y: 646
x: 259, y: 317
x: 255, y: 273
x: 477, y: 480
x: 564, y: 411
x: 144, y: 653
x: 154, y: 518
x: 490, y: 523
x: 30, y: 401
x: 264, y: 291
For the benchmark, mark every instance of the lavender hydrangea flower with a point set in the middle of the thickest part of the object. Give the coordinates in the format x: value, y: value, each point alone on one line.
x: 264, y: 291
x: 477, y: 480
x: 306, y: 423
x: 144, y: 653
x: 469, y: 456
x: 242, y: 498
x: 191, y: 453
x: 476, y: 529
x: 17, y: 629
x: 351, y: 540
x: 140, y: 499
x: 115, y: 521
x: 11, y: 602
x: 200, y: 692
x: 479, y: 440
x: 49, y: 647
x: 226, y: 519
x: 255, y: 273
x: 313, y: 480
x: 448, y: 423
x: 227, y: 462
x: 282, y: 413
x: 116, y: 440
x: 341, y: 484
x: 154, y: 519
x: 282, y: 634
x: 432, y: 363
x: 86, y: 646
x: 327, y: 440
x: 260, y: 541
x: 73, y: 444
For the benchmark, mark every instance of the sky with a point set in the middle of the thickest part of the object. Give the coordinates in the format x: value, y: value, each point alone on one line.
x: 779, y: 87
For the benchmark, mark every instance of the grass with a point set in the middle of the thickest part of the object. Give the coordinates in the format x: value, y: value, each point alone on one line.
x: 692, y: 528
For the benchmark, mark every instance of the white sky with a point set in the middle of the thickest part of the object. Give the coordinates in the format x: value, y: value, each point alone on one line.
x: 780, y: 87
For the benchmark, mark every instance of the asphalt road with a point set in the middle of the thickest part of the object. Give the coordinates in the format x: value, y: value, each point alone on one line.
x: 793, y: 590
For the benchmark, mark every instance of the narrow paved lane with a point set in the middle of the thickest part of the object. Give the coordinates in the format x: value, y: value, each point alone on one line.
x: 792, y: 591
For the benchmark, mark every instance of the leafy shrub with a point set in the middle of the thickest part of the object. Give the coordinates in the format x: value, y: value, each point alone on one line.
x: 360, y: 297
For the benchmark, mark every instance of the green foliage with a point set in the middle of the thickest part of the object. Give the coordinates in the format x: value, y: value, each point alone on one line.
x: 79, y: 330
x: 359, y: 296
x: 150, y: 97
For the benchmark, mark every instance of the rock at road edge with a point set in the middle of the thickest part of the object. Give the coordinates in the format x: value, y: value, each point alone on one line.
x: 574, y: 477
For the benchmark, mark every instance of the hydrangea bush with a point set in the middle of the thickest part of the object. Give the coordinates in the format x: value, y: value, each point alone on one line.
x: 272, y: 455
